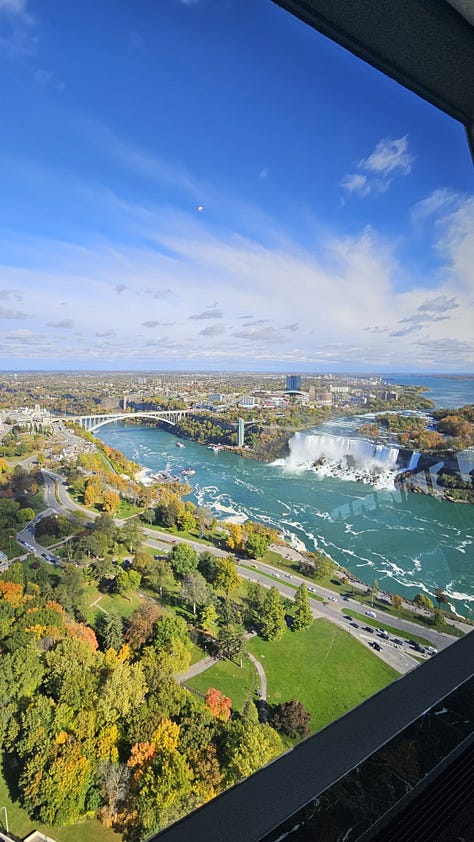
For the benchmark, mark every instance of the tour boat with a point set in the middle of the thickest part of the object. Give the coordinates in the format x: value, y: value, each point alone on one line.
x: 188, y: 472
x: 179, y: 444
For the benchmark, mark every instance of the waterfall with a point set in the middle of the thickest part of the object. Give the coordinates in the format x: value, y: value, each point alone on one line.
x: 344, y: 457
x: 413, y: 463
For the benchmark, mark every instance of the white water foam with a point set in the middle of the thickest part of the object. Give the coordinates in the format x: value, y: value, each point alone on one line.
x: 347, y: 458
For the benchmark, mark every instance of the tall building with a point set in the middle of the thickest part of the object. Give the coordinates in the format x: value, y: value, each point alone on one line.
x: 293, y: 383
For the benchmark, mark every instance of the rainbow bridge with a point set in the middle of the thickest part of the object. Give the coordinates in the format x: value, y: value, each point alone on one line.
x: 93, y: 422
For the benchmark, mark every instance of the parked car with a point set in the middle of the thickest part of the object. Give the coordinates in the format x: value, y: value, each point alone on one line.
x: 397, y: 640
x: 332, y: 598
x: 355, y: 625
x: 377, y: 646
x: 369, y: 629
x: 371, y: 614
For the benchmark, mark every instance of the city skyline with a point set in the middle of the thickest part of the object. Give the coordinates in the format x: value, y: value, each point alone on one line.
x: 206, y: 187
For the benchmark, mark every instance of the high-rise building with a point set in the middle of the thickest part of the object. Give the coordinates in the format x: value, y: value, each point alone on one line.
x: 293, y: 383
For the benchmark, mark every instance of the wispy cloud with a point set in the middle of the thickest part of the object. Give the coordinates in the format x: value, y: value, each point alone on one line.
x: 390, y: 158
x: 212, y: 330
x: 64, y: 324
x: 6, y: 313
x: 211, y: 313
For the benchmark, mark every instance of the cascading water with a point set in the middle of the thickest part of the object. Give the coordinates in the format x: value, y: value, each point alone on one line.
x: 344, y: 457
x: 413, y: 463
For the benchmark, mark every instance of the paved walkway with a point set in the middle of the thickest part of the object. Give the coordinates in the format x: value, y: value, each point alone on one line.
x: 196, y: 669
x: 261, y: 675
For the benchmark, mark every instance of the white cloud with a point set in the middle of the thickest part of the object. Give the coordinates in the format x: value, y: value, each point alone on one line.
x: 212, y: 330
x: 340, y: 302
x: 389, y: 158
x: 211, y: 313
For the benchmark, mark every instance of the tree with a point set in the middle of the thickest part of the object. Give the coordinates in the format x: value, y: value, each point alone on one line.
x: 194, y: 589
x: 140, y: 624
x: 440, y: 597
x: 110, y: 500
x: 183, y: 559
x: 231, y: 641
x: 208, y: 617
x: 160, y: 576
x: 292, y: 718
x: 256, y: 594
x: 397, y: 601
x: 219, y: 705
x: 423, y: 601
x: 127, y: 580
x: 302, y: 610
x: 226, y: 576
x: 110, y: 630
x: 256, y: 545
x: 273, y: 619
x: 247, y: 747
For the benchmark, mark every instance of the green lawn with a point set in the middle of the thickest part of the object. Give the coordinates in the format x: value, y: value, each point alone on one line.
x: 323, y: 667
x: 124, y: 605
x: 21, y: 825
x: 127, y: 509
x: 236, y: 682
x: 369, y: 621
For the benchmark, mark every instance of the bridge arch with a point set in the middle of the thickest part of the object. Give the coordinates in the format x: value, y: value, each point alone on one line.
x: 94, y: 422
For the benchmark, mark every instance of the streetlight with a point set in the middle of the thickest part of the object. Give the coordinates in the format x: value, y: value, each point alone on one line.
x: 6, y: 818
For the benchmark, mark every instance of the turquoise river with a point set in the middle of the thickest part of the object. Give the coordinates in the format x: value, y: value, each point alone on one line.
x: 409, y: 542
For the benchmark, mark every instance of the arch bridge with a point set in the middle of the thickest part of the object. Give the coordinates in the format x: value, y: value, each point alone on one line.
x: 93, y: 422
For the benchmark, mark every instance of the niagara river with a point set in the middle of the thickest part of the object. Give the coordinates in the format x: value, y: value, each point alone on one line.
x: 410, y: 542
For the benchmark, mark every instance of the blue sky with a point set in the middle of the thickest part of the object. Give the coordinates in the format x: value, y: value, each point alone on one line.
x: 212, y: 184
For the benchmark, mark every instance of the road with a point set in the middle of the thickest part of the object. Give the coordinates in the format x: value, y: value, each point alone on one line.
x: 58, y: 500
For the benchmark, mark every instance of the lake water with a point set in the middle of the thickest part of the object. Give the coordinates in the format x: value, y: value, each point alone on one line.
x: 409, y: 542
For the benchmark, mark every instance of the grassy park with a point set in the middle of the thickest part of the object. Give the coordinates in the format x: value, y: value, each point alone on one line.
x: 323, y: 667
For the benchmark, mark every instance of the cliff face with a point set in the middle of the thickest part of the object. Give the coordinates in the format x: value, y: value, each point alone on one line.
x: 449, y: 476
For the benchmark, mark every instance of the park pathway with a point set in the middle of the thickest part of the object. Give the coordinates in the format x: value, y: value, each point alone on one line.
x: 262, y: 677
x: 196, y: 669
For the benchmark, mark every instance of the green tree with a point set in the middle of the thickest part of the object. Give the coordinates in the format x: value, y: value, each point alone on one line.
x: 127, y: 580
x: 273, y: 624
x: 256, y: 545
x: 247, y: 747
x: 302, y: 611
x: 194, y: 590
x: 110, y: 630
x: 183, y: 559
x: 230, y: 641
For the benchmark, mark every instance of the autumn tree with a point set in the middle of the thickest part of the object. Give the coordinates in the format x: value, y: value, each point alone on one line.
x: 292, y: 718
x: 218, y: 704
x: 226, y: 576
x: 423, y: 601
x: 140, y: 624
x: 397, y: 601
